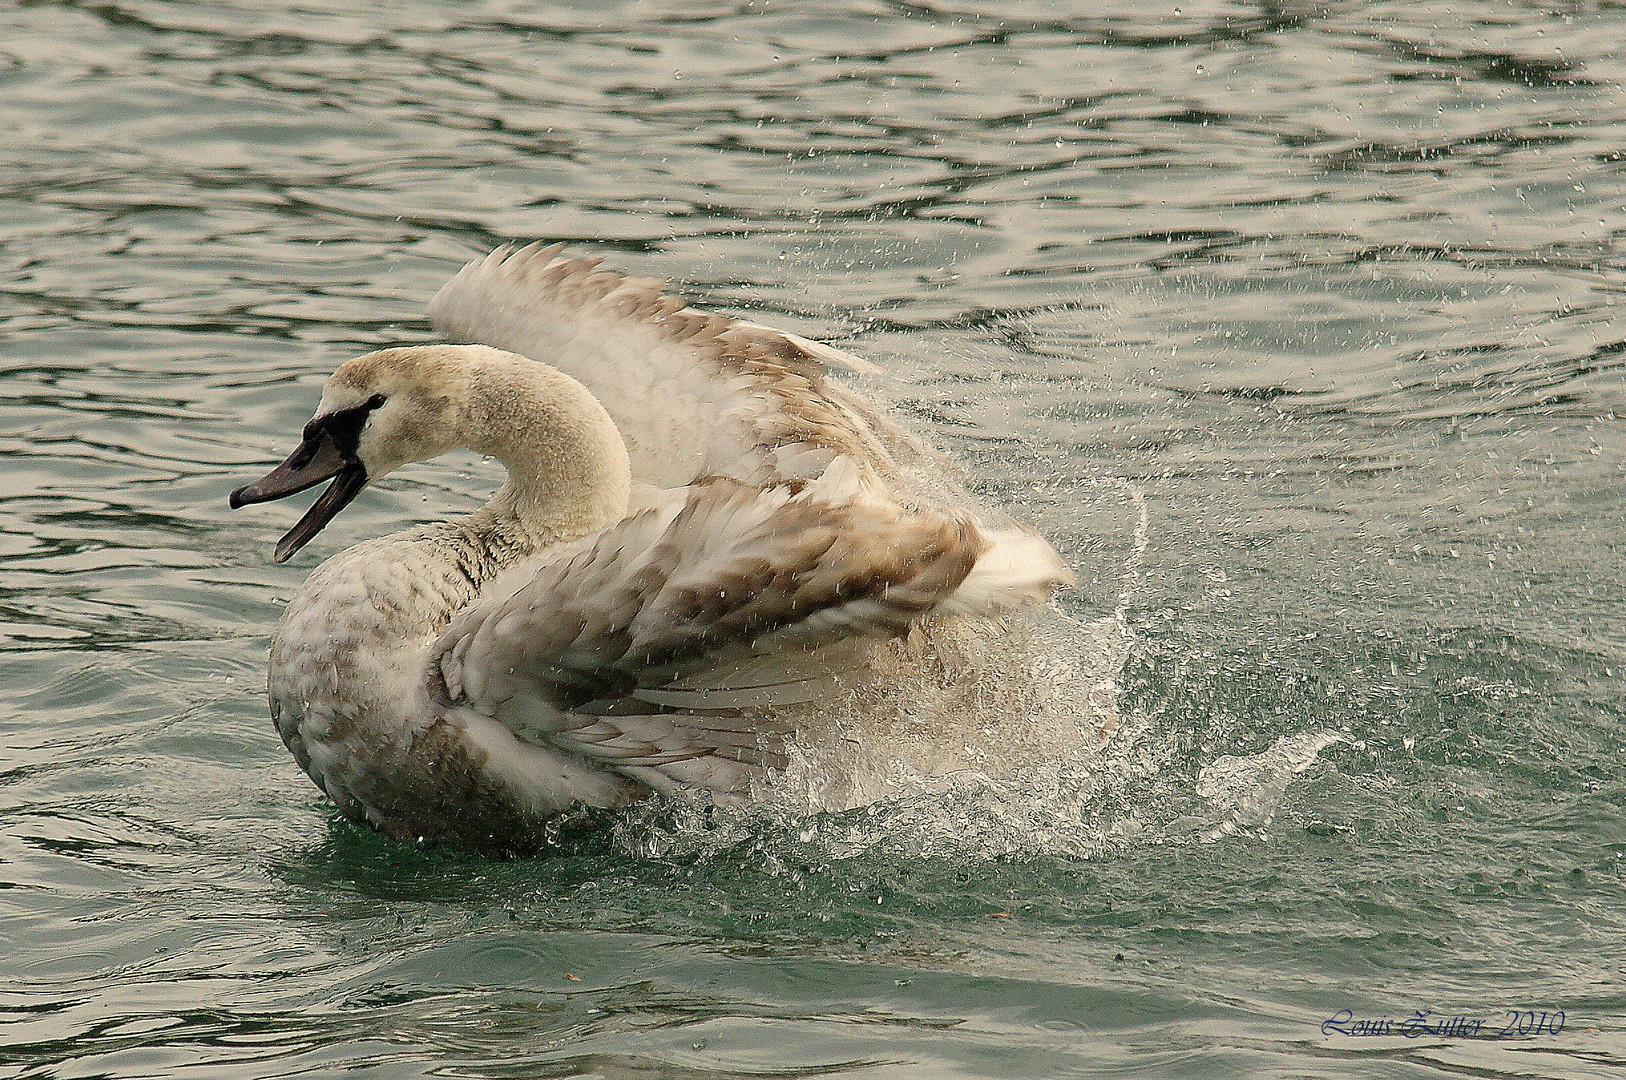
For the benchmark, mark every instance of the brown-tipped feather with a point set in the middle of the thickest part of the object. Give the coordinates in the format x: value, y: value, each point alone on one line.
x: 625, y: 613
x: 773, y: 388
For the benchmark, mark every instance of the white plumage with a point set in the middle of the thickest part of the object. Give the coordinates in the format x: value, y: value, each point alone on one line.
x: 703, y: 542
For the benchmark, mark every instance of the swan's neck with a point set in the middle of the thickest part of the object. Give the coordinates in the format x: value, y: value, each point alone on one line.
x: 568, y: 473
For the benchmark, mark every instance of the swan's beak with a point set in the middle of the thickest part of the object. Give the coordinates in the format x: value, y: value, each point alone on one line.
x: 316, y: 459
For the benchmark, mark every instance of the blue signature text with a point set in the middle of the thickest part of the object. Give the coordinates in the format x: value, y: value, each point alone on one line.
x: 1424, y: 1022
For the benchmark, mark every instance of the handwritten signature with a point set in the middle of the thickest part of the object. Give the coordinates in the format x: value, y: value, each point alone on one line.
x: 1419, y: 1023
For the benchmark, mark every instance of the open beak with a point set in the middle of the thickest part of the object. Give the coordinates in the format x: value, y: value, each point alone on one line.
x: 316, y: 459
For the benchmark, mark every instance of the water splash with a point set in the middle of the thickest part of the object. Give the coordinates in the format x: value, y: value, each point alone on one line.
x: 1013, y: 745
x: 1245, y: 792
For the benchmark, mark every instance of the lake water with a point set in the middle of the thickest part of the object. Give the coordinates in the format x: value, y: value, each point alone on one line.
x: 1298, y: 327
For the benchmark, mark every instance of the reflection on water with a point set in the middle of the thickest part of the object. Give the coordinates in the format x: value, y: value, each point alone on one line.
x: 1332, y: 288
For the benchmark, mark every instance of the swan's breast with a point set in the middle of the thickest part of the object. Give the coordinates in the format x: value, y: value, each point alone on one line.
x: 345, y: 680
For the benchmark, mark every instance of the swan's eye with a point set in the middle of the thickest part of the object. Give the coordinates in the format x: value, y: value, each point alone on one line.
x: 344, y: 427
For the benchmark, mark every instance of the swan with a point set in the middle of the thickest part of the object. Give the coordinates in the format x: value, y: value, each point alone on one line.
x: 703, y: 541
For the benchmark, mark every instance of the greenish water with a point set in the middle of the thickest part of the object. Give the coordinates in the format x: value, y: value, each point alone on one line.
x: 1332, y: 290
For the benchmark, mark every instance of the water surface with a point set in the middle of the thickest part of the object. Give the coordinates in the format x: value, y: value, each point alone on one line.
x: 1331, y: 291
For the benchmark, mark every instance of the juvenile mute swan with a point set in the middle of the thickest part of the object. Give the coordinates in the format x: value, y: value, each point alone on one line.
x: 702, y: 542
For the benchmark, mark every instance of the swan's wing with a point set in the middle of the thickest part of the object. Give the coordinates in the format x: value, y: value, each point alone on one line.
x: 664, y: 643
x: 694, y: 393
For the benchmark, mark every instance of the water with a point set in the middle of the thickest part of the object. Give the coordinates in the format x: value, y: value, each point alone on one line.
x: 1332, y: 290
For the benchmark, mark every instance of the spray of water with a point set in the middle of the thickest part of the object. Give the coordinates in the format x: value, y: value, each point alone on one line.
x: 990, y: 742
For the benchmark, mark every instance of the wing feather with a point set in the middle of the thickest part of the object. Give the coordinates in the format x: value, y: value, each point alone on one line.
x: 695, y: 393
x: 670, y: 637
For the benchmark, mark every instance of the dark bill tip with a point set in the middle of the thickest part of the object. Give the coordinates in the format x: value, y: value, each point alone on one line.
x: 311, y: 462
x: 315, y: 460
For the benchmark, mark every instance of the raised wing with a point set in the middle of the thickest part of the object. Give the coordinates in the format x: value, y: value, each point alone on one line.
x: 657, y: 646
x: 694, y: 393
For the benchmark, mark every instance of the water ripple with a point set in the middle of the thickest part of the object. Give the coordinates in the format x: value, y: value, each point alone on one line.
x: 1336, y: 286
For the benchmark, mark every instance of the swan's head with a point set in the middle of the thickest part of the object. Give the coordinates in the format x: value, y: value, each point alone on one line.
x: 379, y: 412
